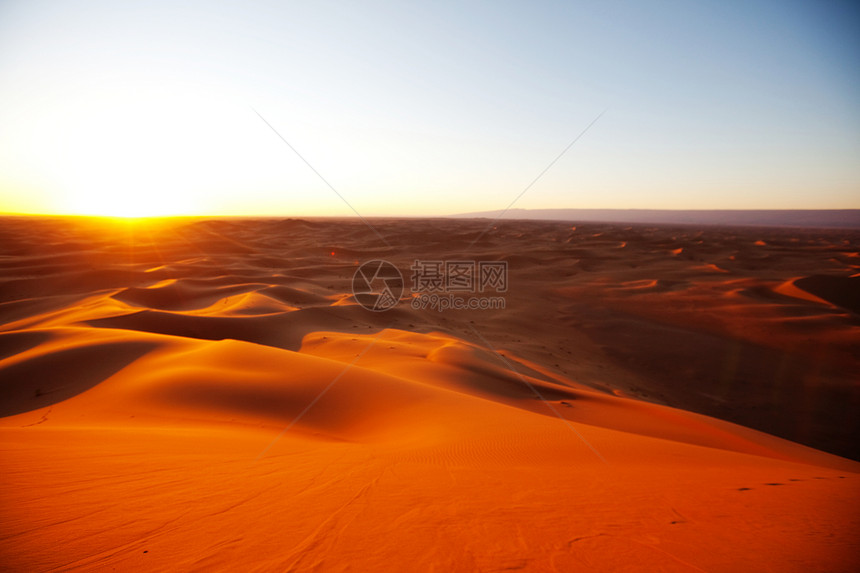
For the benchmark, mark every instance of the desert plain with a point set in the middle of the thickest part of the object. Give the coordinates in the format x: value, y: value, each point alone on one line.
x: 196, y: 395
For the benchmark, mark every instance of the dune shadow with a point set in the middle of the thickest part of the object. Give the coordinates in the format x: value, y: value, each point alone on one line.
x: 50, y: 378
x: 12, y: 343
x: 841, y: 291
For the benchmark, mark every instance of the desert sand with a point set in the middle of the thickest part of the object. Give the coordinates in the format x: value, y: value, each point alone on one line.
x: 208, y: 395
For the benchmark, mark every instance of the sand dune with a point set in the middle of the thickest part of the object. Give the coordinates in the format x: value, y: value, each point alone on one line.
x: 200, y: 395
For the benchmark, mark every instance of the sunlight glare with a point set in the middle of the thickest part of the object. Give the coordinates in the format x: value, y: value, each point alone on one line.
x: 140, y: 155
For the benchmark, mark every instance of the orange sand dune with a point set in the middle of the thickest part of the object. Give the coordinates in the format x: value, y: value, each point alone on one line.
x: 198, y: 395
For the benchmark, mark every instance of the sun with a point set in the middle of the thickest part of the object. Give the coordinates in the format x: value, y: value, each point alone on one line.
x: 133, y: 172
x: 132, y: 156
x: 171, y: 152
x: 124, y: 198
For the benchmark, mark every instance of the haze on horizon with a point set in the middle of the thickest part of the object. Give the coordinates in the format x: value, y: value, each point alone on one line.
x: 148, y: 108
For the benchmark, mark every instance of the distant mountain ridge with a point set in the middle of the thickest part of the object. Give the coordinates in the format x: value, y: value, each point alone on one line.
x: 809, y: 218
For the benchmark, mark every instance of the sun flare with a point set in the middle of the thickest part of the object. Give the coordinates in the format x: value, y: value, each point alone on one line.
x: 144, y: 154
x: 127, y: 201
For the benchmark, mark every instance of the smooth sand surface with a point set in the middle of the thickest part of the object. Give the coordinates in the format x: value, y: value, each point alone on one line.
x: 207, y: 395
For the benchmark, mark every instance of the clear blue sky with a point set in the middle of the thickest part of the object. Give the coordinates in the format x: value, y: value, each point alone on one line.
x: 411, y: 108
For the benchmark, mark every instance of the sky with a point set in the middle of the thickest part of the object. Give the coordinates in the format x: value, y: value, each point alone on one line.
x: 426, y: 108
